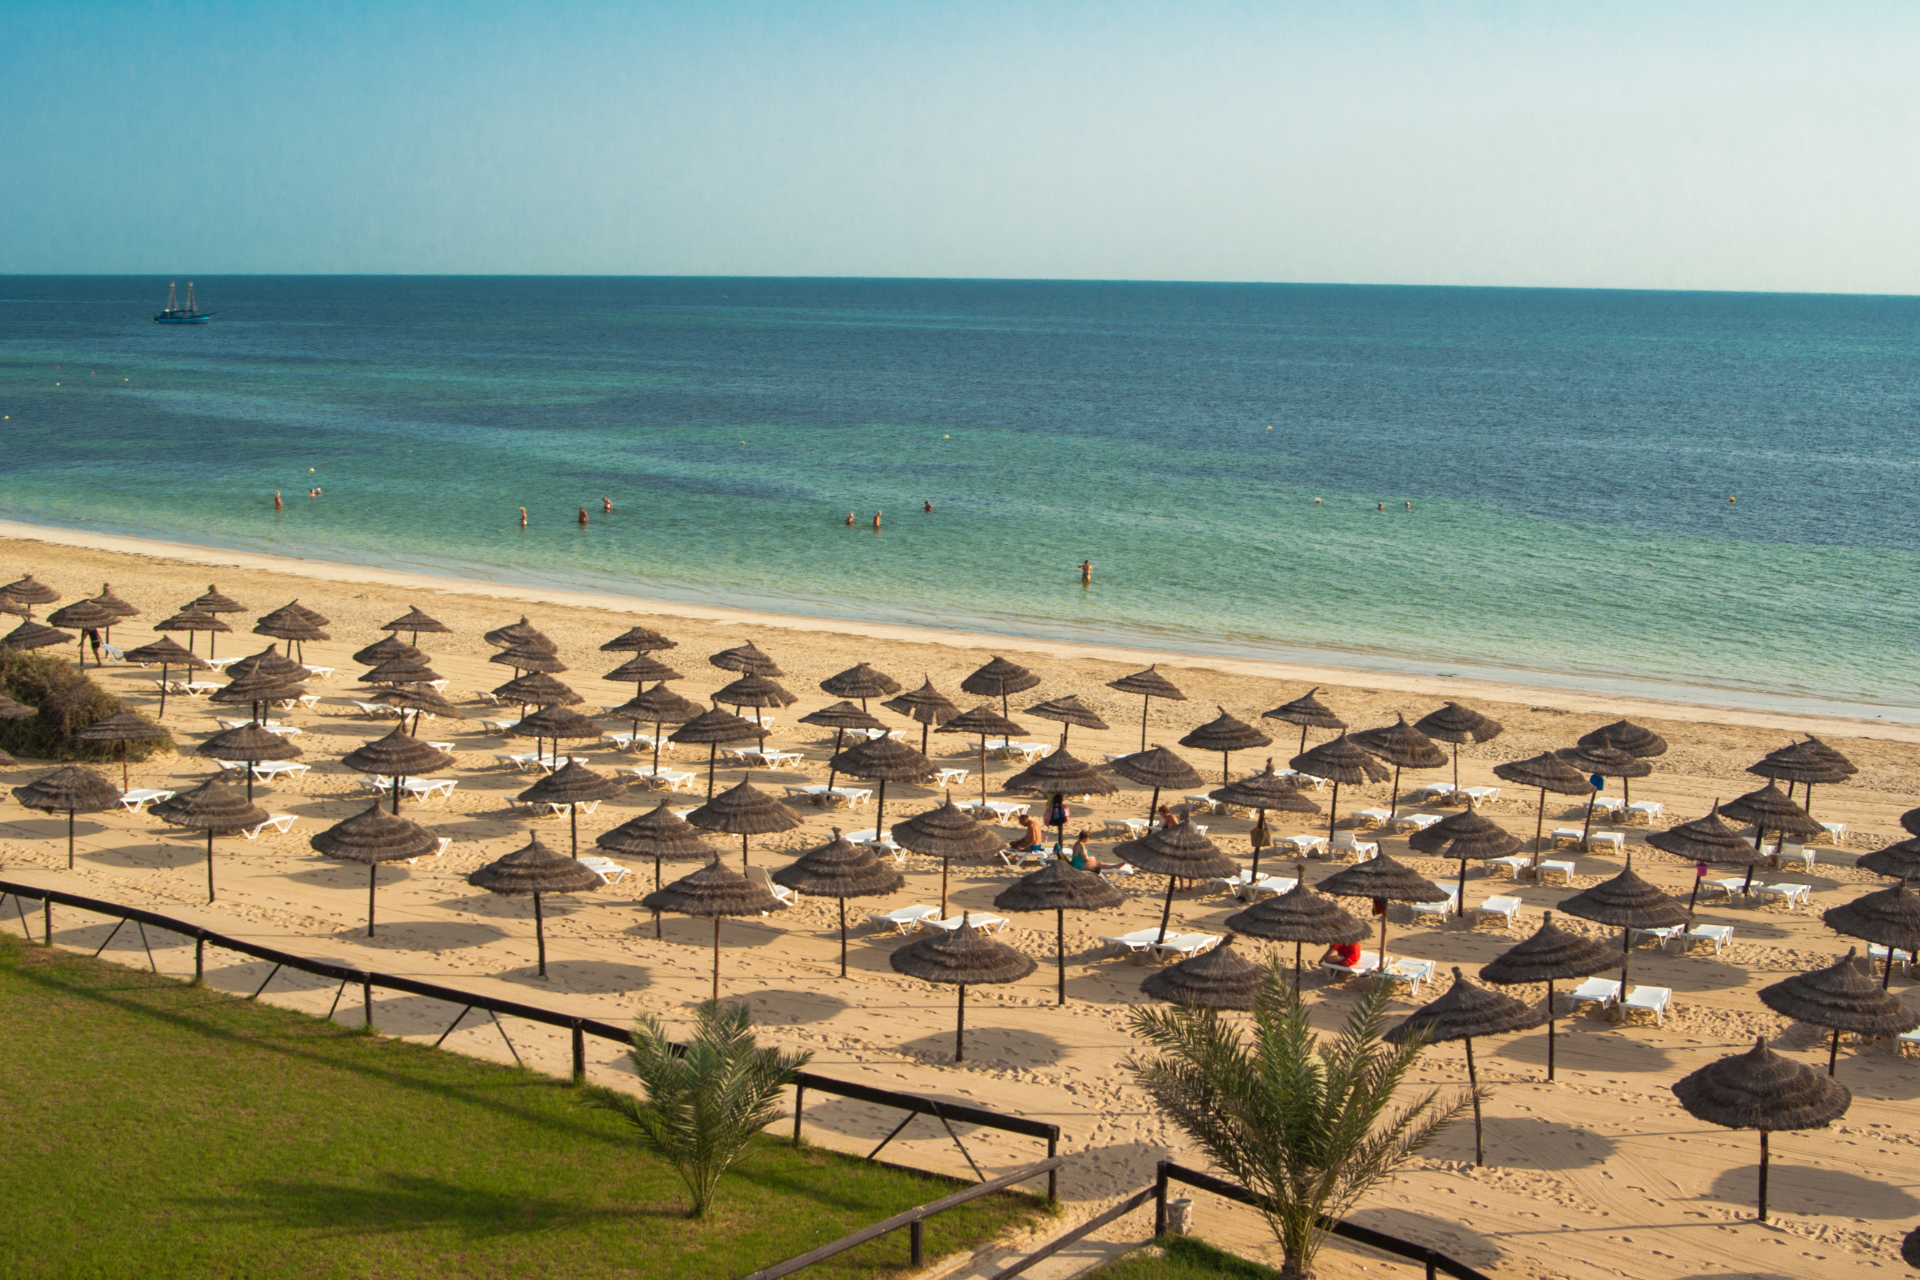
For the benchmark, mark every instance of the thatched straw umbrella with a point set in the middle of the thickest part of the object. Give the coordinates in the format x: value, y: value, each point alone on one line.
x: 863, y: 682
x: 1548, y: 772
x: 1900, y: 861
x: 927, y: 705
x: 167, y: 653
x: 1300, y: 915
x: 1910, y: 822
x: 214, y: 602
x: 571, y: 785
x: 839, y: 869
x: 882, y: 760
x: 1149, y: 684
x: 1627, y: 902
x: 268, y: 662
x: 660, y: 834
x: 536, y: 870
x: 641, y: 670
x: 638, y: 640
x: 554, y: 723
x: 747, y: 660
x: 527, y: 657
x: 1265, y: 792
x: 1226, y: 734
x: 1889, y: 917
x: 256, y: 687
x: 422, y: 700
x: 1069, y: 711
x: 292, y: 624
x: 415, y: 620
x: 28, y: 593
x: 1160, y: 769
x: 1465, y: 1011
x: 1706, y: 840
x: 401, y: 671
x: 1339, y: 760
x: 114, y: 605
x: 982, y: 722
x: 214, y: 808
x: 962, y: 958
x: 1060, y: 774
x: 374, y: 836
x: 744, y: 810
x: 73, y: 788
x: 387, y: 649
x: 399, y: 755
x: 1384, y: 880
x: 1768, y: 809
x: 713, y: 727
x: 1457, y: 724
x: 1637, y: 740
x: 840, y: 717
x: 757, y: 692
x: 191, y: 620
x: 999, y: 679
x: 1551, y: 954
x: 713, y: 892
x: 1601, y: 759
x: 1464, y: 835
x: 1308, y: 712
x: 1404, y: 747
x: 1178, y: 852
x: 249, y: 744
x: 658, y: 706
x: 1217, y: 978
x: 1809, y: 762
x: 33, y: 635
x: 947, y: 833
x: 1059, y: 887
x: 1761, y: 1090
x: 82, y: 616
x: 521, y: 632
x: 1841, y: 997
x: 122, y: 727
x: 537, y: 689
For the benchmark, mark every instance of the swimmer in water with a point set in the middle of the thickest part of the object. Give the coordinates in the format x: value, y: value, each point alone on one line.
x: 929, y: 506
x: 276, y: 500
x: 583, y: 515
x: 1086, y: 573
x: 876, y: 520
x: 606, y: 505
x: 523, y: 517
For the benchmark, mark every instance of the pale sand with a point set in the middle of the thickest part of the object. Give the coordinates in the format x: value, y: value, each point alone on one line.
x: 1598, y: 1174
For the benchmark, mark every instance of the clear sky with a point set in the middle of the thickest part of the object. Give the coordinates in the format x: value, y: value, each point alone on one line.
x: 1659, y: 145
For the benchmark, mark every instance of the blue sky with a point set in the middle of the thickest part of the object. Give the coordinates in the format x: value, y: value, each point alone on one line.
x: 1715, y: 146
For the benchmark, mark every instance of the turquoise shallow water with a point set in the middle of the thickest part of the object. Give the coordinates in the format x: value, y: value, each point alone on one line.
x: 1568, y: 456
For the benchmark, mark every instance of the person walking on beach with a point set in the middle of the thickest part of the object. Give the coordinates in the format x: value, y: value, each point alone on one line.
x: 523, y: 517
x: 1086, y: 573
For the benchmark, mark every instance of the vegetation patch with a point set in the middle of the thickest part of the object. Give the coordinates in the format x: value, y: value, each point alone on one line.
x: 68, y: 702
x: 1182, y: 1258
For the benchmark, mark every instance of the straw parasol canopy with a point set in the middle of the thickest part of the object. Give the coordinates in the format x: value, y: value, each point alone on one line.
x: 415, y: 621
x: 387, y: 649
x: 1160, y: 769
x: 373, y: 836
x: 713, y: 892
x: 1910, y: 822
x: 33, y: 635
x: 1706, y: 840
x: 1069, y: 711
x: 191, y: 620
x: 73, y: 788
x: 1404, y: 747
x: 1265, y: 792
x: 167, y: 653
x: 1059, y: 887
x: 1552, y: 953
x: 1628, y: 903
x: 984, y: 722
x: 294, y: 625
x: 756, y: 692
x: 536, y: 870
x: 927, y: 705
x: 1600, y: 758
x: 398, y: 755
x: 83, y: 615
x: 1841, y: 997
x: 1339, y: 760
x: 527, y: 657
x: 642, y: 669
x: 571, y: 785
x: 214, y: 602
x: 840, y: 717
x: 713, y: 728
x: 1217, y: 978
x: 946, y: 833
x: 882, y: 760
x: 113, y: 604
x: 999, y: 679
x: 1465, y: 1011
x: 521, y: 632
x: 861, y: 681
x: 1899, y: 861
x: 638, y: 640
x: 963, y: 958
x: 839, y: 869
x: 658, y: 706
x: 537, y: 689
x: 747, y: 660
x: 1300, y: 915
x: 270, y: 663
x: 1149, y: 684
x: 1226, y: 734
x: 122, y: 727
x: 660, y: 834
x: 423, y: 699
x: 250, y: 744
x: 744, y: 810
x: 29, y: 593
x: 554, y: 723
x: 1809, y: 762
x: 1637, y: 740
x: 1308, y: 712
x: 401, y: 671
x: 1384, y: 880
x: 1547, y: 772
x: 256, y: 687
x: 1060, y: 774
x: 1464, y: 835
x: 1889, y: 917
x: 1457, y: 724
x: 212, y: 807
x: 1179, y: 852
x: 1761, y: 1090
x: 1769, y: 809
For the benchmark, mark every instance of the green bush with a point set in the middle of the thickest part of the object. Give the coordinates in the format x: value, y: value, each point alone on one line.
x: 68, y: 701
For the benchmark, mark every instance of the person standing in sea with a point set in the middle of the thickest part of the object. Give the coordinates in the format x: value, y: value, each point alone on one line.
x: 1086, y: 573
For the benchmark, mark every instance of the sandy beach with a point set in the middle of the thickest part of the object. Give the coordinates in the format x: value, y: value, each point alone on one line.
x: 1597, y: 1174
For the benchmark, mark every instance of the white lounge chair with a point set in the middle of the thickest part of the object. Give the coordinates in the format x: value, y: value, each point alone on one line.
x: 134, y: 799
x: 1794, y: 895
x: 982, y: 920
x: 1662, y: 935
x: 1717, y: 934
x: 1343, y: 843
x: 1416, y: 821
x: 759, y: 876
x: 1648, y: 809
x: 1367, y: 963
x: 1563, y: 869
x: 1443, y: 909
x: 1407, y: 969
x: 1794, y: 853
x: 1184, y: 945
x: 609, y: 871
x: 1600, y: 991
x: 665, y: 779
x: 445, y: 842
x: 1653, y: 1000
x: 872, y: 839
x: 1616, y: 839
x: 1480, y: 795
x: 1508, y: 909
x: 904, y: 920
x: 1512, y: 864
x: 280, y: 822
x: 1303, y: 845
x: 1137, y: 941
x: 1731, y: 886
x: 1836, y: 831
x: 950, y: 777
x: 375, y: 710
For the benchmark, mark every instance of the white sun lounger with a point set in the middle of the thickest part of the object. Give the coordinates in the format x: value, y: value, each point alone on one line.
x: 268, y: 770
x: 981, y: 920
x: 134, y: 799
x: 1508, y: 909
x: 1306, y: 846
x: 905, y: 920
x: 1836, y: 831
x: 950, y: 777
x: 666, y: 779
x: 1653, y: 1000
x: 1617, y: 839
x: 871, y: 838
x: 1137, y: 941
x: 1794, y: 853
x: 1002, y: 810
x: 375, y: 710
x: 1565, y: 869
x: 760, y: 876
x: 1184, y: 945
x: 320, y: 673
x: 1601, y: 991
x: 441, y: 852
x: 1732, y: 886
x: 280, y: 822
x: 1662, y: 935
x: 609, y: 871
x: 1418, y: 821
x: 1794, y: 895
x: 1480, y: 795
x: 1717, y: 934
x: 1512, y: 864
x: 1443, y: 909
x: 1648, y: 809
x: 1344, y: 843
x: 1877, y: 954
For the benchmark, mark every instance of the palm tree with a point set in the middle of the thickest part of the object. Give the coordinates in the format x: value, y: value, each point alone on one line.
x: 1304, y: 1125
x: 702, y: 1107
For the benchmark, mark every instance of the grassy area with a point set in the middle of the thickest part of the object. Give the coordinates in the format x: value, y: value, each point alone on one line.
x: 152, y: 1128
x: 1182, y: 1258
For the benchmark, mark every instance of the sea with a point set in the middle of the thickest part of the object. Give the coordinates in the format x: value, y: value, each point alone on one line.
x: 1700, y: 495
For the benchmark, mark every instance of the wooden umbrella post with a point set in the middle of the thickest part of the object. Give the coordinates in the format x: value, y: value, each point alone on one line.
x: 540, y: 934
x: 209, y: 866
x: 1539, y: 824
x: 209, y: 838
x: 743, y: 854
x: 1144, y: 704
x: 1383, y: 938
x: 960, y: 1030
x: 713, y: 754
x: 946, y: 863
x: 1763, y: 1175
x: 373, y: 882
x: 843, y: 937
x: 1060, y: 954
x: 1166, y: 912
x: 1333, y: 811
x: 1549, y: 1028
x: 716, y: 957
x: 1473, y: 1088
x: 656, y: 888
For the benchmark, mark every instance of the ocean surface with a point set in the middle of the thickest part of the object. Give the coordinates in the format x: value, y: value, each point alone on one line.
x: 1236, y: 460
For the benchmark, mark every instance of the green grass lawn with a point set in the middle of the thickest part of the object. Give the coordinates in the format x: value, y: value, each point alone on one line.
x: 1182, y: 1258
x: 152, y: 1128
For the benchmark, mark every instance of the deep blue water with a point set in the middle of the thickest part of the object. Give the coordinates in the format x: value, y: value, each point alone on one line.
x: 1568, y: 456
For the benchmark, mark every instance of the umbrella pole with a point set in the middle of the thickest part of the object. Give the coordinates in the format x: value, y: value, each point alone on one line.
x: 657, y: 726
x: 540, y: 934
x: 573, y: 824
x: 1473, y: 1088
x: 843, y: 937
x: 1694, y: 896
x: 1456, y: 766
x: 1626, y: 958
x: 1333, y: 812
x: 656, y: 888
x: 960, y: 1032
x: 1060, y: 953
x: 163, y: 691
x: 1144, y: 703
x: 1303, y: 741
x: 1549, y: 1028
x: 70, y: 859
x: 1383, y: 941
x: 1763, y: 1175
x: 396, y: 791
x: 1153, y: 806
x: 1226, y: 764
x: 1586, y: 828
x: 880, y: 814
x: 837, y: 735
x: 925, y: 725
x: 1886, y: 979
x: 945, y: 864
x: 716, y: 957
x: 1539, y: 823
x: 1460, y: 893
x: 1833, y: 1053
x: 1393, y: 805
x: 1259, y: 821
x: 743, y: 854
x: 1296, y: 970
x: 1166, y: 913
x: 983, y: 771
x: 713, y: 750
x: 209, y: 866
x: 373, y: 880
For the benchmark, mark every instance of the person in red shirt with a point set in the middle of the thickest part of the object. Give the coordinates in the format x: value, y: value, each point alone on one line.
x: 1346, y: 954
